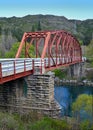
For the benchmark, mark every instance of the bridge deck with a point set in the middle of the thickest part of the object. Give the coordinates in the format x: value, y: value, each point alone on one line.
x: 11, y: 69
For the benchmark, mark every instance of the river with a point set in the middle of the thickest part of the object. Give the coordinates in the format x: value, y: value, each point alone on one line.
x: 66, y: 95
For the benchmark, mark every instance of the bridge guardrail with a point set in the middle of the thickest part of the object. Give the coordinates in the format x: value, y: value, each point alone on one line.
x: 13, y: 67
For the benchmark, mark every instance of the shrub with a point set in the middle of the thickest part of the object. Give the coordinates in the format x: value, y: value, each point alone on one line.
x: 85, y: 125
x: 60, y: 73
x: 8, y: 122
x: 49, y: 124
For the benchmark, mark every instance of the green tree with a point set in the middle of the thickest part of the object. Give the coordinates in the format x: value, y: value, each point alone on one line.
x: 33, y: 28
x: 83, y: 105
x: 89, y: 53
x: 89, y: 50
x: 60, y: 73
x: 39, y: 26
x: 0, y: 30
x: 13, y: 51
x: 18, y: 33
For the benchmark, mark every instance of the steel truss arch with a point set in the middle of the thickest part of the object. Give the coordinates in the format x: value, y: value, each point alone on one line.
x: 60, y: 47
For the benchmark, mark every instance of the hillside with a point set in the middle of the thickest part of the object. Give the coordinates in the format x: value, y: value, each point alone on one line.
x: 12, y: 29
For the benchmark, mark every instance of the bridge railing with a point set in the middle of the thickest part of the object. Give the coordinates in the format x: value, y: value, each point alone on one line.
x: 59, y: 61
x: 15, y: 66
x: 21, y: 66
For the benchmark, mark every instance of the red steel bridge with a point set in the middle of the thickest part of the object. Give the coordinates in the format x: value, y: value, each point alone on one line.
x: 53, y: 49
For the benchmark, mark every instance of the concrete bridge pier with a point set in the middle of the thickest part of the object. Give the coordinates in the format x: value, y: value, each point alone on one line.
x: 76, y: 70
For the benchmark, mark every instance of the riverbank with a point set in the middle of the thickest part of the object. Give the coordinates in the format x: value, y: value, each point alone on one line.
x: 85, y: 80
x: 70, y: 82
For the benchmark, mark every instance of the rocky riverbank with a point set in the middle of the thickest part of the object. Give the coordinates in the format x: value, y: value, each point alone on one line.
x: 69, y: 82
x: 85, y: 80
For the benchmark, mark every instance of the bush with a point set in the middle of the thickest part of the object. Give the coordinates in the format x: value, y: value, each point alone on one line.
x: 25, y: 122
x: 89, y: 75
x: 60, y: 73
x: 85, y: 125
x: 49, y: 124
x: 7, y: 122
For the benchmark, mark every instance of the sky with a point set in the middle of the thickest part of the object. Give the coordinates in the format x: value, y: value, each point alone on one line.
x: 71, y: 9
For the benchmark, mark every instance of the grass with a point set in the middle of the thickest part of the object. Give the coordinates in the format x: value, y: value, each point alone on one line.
x: 33, y: 121
x: 30, y: 122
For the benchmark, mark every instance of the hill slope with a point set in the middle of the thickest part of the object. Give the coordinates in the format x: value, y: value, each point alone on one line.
x: 12, y: 29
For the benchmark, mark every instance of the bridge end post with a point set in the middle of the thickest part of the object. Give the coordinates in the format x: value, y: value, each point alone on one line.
x: 38, y: 66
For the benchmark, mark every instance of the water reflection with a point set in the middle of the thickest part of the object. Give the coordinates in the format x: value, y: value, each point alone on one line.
x: 66, y: 95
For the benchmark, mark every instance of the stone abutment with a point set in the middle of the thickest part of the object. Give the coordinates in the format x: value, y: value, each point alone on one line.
x: 36, y: 92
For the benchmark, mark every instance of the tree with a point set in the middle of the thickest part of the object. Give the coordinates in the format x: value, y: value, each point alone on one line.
x: 9, y: 40
x: 89, y: 53
x: 39, y: 26
x: 6, y: 41
x: 33, y: 28
x: 0, y: 29
x: 83, y: 106
x: 89, y: 50
x: 89, y: 74
x: 13, y: 51
x: 2, y: 43
x: 60, y: 73
x: 18, y: 33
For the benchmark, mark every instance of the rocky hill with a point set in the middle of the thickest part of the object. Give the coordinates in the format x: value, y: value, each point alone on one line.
x: 12, y: 29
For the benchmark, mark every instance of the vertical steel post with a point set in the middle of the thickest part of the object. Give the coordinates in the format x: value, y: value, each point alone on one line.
x: 49, y: 53
x: 24, y: 66
x: 36, y: 49
x: 44, y: 63
x: 61, y: 54
x: 56, y: 52
x: 14, y: 67
x: 33, y: 66
x: 37, y: 44
x: 0, y: 71
x: 41, y: 67
x: 25, y: 50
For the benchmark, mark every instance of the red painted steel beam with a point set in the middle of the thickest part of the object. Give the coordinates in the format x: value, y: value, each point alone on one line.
x: 15, y: 76
x: 21, y: 45
x: 46, y: 45
x: 58, y: 66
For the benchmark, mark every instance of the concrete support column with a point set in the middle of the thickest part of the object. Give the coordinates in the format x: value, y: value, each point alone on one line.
x: 76, y: 70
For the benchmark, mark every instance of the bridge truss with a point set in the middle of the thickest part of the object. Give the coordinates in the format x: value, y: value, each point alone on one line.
x: 54, y: 45
x: 52, y: 49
